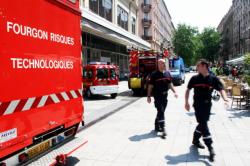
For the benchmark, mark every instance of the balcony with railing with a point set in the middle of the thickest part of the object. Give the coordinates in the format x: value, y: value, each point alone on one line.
x: 146, y: 7
x: 146, y: 22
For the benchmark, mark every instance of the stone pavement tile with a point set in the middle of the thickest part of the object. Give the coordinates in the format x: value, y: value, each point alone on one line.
x: 125, y: 138
x: 100, y: 163
x: 85, y: 162
x: 157, y: 163
x: 119, y: 164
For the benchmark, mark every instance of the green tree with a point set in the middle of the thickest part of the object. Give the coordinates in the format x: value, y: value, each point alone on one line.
x: 211, y: 44
x: 247, y: 68
x: 185, y: 42
x: 198, y: 49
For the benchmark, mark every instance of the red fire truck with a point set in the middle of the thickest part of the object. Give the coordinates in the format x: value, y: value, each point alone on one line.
x: 141, y: 65
x: 40, y: 76
x: 100, y: 79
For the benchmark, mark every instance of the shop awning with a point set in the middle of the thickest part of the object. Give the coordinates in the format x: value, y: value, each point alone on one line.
x: 98, y: 26
x: 236, y: 61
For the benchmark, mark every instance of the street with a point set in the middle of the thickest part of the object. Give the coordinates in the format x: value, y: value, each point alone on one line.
x: 126, y: 136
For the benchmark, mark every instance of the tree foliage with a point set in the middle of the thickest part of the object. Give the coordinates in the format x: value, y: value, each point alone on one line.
x: 247, y: 68
x: 184, y: 43
x: 211, y: 44
x: 192, y: 45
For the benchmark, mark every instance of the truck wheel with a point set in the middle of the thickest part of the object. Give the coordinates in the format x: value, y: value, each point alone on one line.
x: 89, y: 94
x: 113, y: 95
x: 181, y: 82
x: 136, y: 92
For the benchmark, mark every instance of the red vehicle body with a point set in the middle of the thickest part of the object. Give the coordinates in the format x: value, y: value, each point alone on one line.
x: 141, y: 65
x: 100, y: 79
x: 40, y: 76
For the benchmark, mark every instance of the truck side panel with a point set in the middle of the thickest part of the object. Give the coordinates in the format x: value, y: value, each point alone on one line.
x: 40, y: 70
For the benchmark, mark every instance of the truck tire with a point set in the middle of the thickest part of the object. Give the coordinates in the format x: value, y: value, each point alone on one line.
x: 136, y: 92
x: 89, y: 94
x: 113, y: 95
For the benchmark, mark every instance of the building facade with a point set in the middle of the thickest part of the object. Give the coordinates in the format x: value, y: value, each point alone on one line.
x: 235, y: 30
x: 155, y: 24
x: 226, y: 30
x: 109, y: 29
x: 241, y: 26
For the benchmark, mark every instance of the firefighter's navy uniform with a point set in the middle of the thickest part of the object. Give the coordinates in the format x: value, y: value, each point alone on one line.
x: 203, y: 88
x: 161, y: 84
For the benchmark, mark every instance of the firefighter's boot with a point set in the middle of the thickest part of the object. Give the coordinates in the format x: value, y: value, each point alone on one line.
x: 164, y: 134
x: 196, y: 142
x: 211, y: 154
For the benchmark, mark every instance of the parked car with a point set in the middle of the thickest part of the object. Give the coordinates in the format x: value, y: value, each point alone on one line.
x: 193, y: 68
x: 187, y: 69
x: 100, y: 79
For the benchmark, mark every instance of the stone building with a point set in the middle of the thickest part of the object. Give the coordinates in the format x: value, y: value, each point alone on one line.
x: 109, y: 28
x: 226, y: 29
x: 155, y: 24
x: 241, y: 27
x: 235, y: 30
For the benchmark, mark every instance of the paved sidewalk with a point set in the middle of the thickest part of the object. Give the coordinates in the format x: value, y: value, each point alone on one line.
x: 127, y: 139
x: 102, y: 106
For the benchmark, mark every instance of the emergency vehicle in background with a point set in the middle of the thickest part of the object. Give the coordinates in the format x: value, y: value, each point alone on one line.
x: 41, y: 101
x: 177, y: 70
x: 141, y: 65
x: 100, y: 79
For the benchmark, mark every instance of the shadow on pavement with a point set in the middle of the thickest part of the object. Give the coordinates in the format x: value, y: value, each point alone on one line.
x: 193, y: 114
x: 192, y: 157
x: 126, y: 93
x: 137, y: 138
x: 71, y: 161
x: 98, y: 97
x: 239, y: 113
x: 190, y: 113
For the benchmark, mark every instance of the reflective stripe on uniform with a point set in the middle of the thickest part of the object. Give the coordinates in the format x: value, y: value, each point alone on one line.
x: 207, y: 137
x: 197, y: 131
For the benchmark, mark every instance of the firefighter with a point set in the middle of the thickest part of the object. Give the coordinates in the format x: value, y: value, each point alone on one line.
x: 203, y: 83
x: 160, y: 82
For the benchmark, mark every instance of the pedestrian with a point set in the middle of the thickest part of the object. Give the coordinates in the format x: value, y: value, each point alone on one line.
x: 214, y: 70
x: 234, y: 72
x: 226, y: 70
x: 159, y: 84
x: 203, y: 84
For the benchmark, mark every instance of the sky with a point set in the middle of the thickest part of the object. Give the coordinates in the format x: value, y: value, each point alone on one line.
x: 198, y: 13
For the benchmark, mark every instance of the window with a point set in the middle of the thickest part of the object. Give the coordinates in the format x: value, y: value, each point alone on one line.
x: 102, y: 73
x: 87, y: 73
x: 112, y: 74
x: 133, y: 25
x: 73, y: 1
x: 146, y: 31
x: 102, y: 7
x: 146, y: 16
x: 122, y: 18
x: 93, y: 5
